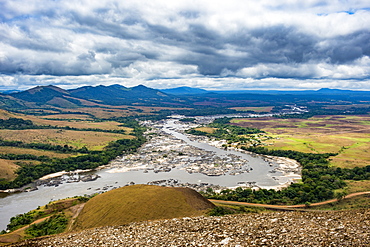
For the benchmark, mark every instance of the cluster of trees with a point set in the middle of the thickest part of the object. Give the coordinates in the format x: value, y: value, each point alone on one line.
x: 28, y: 173
x: 24, y: 157
x: 319, y: 180
x: 21, y: 220
x: 15, y: 123
x: 44, y: 146
x: 53, y: 225
x: 187, y: 120
x: 231, y: 133
x: 118, y: 131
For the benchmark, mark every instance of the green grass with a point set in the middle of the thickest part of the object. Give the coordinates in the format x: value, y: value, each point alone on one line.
x: 307, y: 135
x: 360, y: 202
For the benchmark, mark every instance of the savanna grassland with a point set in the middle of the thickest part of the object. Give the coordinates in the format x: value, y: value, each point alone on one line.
x: 7, y: 169
x: 93, y: 140
x: 75, y: 131
x: 349, y: 136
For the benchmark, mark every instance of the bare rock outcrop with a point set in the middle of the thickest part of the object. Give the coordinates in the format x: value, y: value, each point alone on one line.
x: 344, y: 228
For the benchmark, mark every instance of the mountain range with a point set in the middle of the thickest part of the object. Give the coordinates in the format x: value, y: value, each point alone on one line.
x: 115, y: 95
x: 111, y: 95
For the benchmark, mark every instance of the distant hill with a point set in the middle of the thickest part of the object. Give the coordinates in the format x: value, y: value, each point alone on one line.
x: 10, y: 102
x: 140, y: 203
x: 44, y: 96
x: 339, y: 91
x: 323, y: 91
x: 119, y: 95
x: 40, y: 94
x: 53, y: 99
x: 184, y: 90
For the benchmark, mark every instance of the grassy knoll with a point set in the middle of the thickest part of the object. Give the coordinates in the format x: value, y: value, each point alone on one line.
x: 116, y: 207
x: 140, y: 203
x: 78, y: 139
x: 347, y: 135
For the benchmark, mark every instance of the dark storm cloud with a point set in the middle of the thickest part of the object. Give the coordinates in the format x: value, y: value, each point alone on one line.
x: 344, y: 49
x: 241, y: 39
x: 272, y: 45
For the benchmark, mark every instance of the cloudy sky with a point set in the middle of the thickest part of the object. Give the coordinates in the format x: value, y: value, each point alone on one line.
x: 211, y: 44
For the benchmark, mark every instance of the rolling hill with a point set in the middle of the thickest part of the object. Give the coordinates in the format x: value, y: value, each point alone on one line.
x: 140, y: 203
x: 52, y: 99
x: 119, y: 95
x: 52, y: 96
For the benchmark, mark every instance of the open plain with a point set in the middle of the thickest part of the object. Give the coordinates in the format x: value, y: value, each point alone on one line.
x: 349, y: 136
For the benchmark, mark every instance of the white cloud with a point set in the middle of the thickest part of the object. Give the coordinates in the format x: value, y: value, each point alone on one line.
x: 262, y: 43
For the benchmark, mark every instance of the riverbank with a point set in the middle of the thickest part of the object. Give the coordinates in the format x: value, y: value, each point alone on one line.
x: 56, y: 179
x: 169, y: 147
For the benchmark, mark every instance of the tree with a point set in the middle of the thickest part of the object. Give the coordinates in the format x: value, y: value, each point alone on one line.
x: 341, y: 195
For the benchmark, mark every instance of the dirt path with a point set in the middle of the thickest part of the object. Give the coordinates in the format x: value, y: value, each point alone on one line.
x: 17, y: 235
x: 76, y: 210
x: 288, y: 206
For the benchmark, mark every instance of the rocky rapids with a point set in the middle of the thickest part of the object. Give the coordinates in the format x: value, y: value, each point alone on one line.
x: 334, y: 228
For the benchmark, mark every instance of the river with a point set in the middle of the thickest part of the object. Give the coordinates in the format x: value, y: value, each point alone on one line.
x: 17, y: 203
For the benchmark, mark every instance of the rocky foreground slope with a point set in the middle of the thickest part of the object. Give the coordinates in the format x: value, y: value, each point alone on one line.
x: 345, y: 228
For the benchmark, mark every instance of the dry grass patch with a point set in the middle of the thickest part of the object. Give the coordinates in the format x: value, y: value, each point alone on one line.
x: 5, y: 114
x: 106, y: 125
x: 358, y: 186
x: 206, y: 129
x: 11, y: 237
x: 7, y: 168
x: 15, y: 150
x: 255, y: 109
x: 105, y: 112
x: 67, y: 116
x: 78, y: 139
